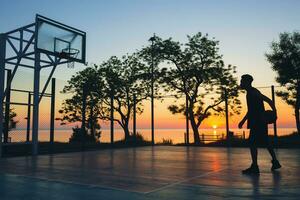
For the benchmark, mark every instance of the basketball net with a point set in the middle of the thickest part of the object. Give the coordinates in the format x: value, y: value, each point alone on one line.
x: 71, y: 65
x: 68, y: 53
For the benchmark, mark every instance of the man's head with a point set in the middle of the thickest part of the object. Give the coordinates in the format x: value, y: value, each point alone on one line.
x: 246, y: 81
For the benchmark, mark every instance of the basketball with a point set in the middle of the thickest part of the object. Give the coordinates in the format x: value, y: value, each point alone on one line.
x: 270, y: 116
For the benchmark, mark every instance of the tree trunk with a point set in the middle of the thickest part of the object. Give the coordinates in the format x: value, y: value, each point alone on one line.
x: 195, y: 131
x: 126, y: 131
x: 92, y: 122
x: 194, y: 125
x: 297, y: 116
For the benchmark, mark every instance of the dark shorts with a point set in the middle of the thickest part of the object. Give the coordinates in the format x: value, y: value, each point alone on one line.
x: 259, y: 136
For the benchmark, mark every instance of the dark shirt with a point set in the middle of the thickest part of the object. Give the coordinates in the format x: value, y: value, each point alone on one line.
x: 256, y: 108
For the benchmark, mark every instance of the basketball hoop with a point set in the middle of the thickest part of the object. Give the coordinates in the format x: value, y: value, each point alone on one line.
x: 60, y: 40
x: 69, y: 53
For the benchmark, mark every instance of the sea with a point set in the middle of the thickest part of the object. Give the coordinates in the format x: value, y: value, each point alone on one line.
x: 175, y: 135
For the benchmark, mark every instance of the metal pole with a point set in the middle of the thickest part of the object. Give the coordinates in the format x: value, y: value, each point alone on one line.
x: 134, y: 117
x: 274, y: 124
x: 227, y: 118
x: 112, y: 117
x: 187, y: 119
x: 28, y: 117
x: 52, y: 114
x: 35, y: 117
x: 152, y: 39
x: 7, y: 106
x: 2, y: 71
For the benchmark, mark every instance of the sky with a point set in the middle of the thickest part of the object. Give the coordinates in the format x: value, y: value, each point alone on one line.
x: 245, y: 29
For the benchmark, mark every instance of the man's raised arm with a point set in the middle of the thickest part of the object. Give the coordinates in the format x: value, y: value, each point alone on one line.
x: 270, y: 102
x: 243, y: 121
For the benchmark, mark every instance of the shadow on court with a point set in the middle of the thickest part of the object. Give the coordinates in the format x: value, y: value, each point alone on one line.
x: 149, y: 173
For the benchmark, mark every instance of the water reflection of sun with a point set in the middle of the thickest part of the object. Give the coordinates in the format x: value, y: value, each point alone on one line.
x: 216, y: 165
x: 214, y: 130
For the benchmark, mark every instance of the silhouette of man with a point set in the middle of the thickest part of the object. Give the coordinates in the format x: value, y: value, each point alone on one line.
x: 257, y: 124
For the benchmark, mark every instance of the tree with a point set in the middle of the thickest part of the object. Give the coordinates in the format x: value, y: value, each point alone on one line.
x: 12, y: 122
x: 123, y: 78
x: 285, y: 60
x: 197, y: 72
x: 71, y: 110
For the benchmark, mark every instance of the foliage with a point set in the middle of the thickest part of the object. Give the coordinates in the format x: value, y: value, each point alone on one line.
x: 86, y: 80
x: 127, y: 79
x: 79, y: 135
x: 197, y: 71
x: 12, y: 121
x: 285, y: 60
x: 194, y: 70
x: 124, y: 78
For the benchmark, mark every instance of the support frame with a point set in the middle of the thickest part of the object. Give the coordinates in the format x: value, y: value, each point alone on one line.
x: 25, y: 48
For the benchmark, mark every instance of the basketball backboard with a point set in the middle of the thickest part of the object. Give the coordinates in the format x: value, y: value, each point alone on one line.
x: 58, y: 39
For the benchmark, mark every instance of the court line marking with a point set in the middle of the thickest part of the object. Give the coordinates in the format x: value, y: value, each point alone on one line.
x: 111, y: 188
x: 185, y: 180
x: 72, y: 183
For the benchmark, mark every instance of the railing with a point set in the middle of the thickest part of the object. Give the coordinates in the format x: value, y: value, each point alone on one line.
x: 207, y: 138
x: 215, y: 138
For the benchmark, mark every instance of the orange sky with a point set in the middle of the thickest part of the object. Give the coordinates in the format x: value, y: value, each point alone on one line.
x: 163, y: 118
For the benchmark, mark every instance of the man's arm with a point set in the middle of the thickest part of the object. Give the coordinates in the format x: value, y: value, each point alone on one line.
x: 270, y: 102
x: 243, y: 121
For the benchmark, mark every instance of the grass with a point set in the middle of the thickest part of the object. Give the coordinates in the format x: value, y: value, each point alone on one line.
x: 166, y: 142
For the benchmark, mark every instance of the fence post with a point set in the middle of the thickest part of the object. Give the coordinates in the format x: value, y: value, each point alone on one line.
x: 28, y: 118
x: 226, y: 116
x: 274, y: 124
x: 187, y: 119
x: 2, y: 71
x: 52, y: 114
x: 7, y: 106
x: 112, y: 117
x: 134, y: 117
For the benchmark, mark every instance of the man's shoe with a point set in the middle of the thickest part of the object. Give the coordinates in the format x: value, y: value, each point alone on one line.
x: 275, y: 165
x: 251, y: 170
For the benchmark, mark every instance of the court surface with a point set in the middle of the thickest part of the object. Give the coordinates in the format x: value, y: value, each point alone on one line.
x: 159, y: 172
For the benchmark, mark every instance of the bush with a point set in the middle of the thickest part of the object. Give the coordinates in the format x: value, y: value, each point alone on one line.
x: 78, y: 135
x: 138, y: 140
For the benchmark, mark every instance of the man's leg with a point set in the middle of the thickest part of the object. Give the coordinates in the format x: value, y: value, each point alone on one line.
x: 253, y: 169
x: 275, y: 162
x: 253, y: 150
x: 265, y: 140
x: 272, y: 152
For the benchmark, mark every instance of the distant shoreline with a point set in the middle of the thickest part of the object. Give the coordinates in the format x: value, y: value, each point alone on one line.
x: 107, y: 129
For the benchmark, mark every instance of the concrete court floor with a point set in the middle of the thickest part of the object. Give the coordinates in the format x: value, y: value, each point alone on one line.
x: 161, y: 172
